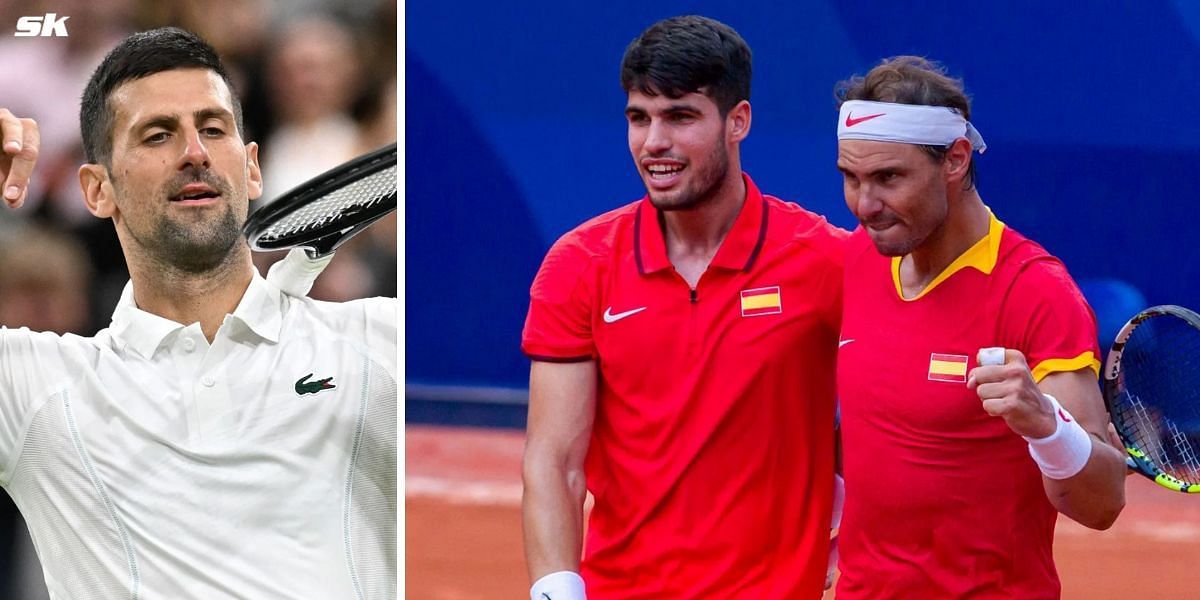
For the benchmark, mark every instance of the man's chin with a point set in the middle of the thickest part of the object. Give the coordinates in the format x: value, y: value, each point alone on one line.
x: 673, y: 201
x: 198, y: 247
x: 664, y: 202
x: 203, y: 257
x: 887, y: 246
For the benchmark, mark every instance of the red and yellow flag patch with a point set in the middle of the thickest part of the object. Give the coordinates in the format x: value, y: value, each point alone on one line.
x: 761, y: 301
x: 948, y: 367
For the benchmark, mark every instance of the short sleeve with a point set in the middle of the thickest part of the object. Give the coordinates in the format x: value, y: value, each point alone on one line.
x: 1047, y: 318
x: 558, y: 326
x: 382, y: 316
x: 31, y: 369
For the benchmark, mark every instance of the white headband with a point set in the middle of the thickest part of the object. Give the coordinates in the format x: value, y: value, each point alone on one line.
x: 906, y: 124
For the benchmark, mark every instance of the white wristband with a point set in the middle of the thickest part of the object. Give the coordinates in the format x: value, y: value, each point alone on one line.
x: 839, y: 500
x: 1063, y: 453
x: 559, y: 585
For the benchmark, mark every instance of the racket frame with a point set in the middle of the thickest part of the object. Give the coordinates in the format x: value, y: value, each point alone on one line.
x: 327, y: 238
x: 1136, y: 457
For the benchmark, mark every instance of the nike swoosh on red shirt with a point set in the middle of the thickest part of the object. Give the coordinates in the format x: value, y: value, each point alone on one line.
x: 851, y: 121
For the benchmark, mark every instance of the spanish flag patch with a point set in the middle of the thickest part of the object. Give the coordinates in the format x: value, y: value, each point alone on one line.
x: 761, y: 301
x: 948, y: 367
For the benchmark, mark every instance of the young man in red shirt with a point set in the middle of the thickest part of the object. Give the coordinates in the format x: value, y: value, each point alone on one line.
x: 943, y: 499
x: 683, y: 353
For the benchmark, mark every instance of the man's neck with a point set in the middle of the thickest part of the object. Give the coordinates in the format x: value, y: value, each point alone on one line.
x: 966, y: 223
x: 187, y: 298
x: 693, y: 236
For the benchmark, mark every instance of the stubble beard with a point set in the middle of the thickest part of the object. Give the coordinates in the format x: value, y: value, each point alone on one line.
x: 198, y: 247
x: 201, y: 244
x: 900, y: 248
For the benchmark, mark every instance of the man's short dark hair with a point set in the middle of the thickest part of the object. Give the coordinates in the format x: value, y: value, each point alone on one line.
x: 687, y: 54
x: 911, y: 80
x: 140, y: 55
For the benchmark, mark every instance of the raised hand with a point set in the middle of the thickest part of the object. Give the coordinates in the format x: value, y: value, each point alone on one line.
x: 19, y: 141
x: 1007, y: 390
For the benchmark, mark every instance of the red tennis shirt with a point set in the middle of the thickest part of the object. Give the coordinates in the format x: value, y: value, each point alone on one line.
x: 711, y: 452
x: 943, y: 500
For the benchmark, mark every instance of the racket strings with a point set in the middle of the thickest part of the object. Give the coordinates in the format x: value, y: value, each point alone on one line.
x: 335, y: 206
x: 1158, y: 407
x: 1133, y: 412
x: 1183, y: 447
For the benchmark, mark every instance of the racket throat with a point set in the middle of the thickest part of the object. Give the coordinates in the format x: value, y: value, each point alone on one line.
x: 324, y: 246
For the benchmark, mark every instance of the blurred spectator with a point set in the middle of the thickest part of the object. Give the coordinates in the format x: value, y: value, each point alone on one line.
x: 313, y: 74
x: 52, y: 72
x: 317, y: 84
x: 45, y: 282
x: 379, y: 126
x: 376, y: 247
x: 238, y: 30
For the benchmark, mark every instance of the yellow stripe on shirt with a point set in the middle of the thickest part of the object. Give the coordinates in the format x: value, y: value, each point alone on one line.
x: 1066, y: 365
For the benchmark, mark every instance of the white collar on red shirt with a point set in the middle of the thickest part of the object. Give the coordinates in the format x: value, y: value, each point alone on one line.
x: 258, y: 312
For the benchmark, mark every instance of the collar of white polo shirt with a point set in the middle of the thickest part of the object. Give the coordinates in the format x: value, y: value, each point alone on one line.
x: 258, y: 312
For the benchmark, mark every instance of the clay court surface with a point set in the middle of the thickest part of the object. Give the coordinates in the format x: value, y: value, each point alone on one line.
x: 463, y: 528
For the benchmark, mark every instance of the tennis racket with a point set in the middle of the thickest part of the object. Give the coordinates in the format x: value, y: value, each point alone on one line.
x: 324, y: 212
x: 1152, y: 389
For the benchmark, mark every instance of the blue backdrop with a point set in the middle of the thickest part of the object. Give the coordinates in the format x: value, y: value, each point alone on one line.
x: 515, y: 134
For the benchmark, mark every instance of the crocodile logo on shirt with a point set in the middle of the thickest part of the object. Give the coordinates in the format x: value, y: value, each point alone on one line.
x: 304, y: 386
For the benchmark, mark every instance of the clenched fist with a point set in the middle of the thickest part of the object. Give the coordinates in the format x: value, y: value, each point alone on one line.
x: 1008, y: 390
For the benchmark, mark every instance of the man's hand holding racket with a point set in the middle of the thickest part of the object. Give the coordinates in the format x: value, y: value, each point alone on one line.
x: 1006, y: 388
x: 19, y: 141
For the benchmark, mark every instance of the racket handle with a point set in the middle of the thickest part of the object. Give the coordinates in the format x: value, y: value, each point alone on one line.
x: 991, y: 356
x: 295, y: 274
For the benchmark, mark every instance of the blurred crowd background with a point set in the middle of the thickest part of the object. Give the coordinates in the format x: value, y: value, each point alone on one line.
x: 317, y: 81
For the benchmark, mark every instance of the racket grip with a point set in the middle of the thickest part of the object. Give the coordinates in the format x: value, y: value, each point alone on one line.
x: 295, y: 274
x: 991, y: 356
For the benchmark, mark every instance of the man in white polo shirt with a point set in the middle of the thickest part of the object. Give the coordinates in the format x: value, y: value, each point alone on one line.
x: 221, y: 439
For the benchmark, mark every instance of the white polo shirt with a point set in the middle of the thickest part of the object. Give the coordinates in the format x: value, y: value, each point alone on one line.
x: 150, y: 464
